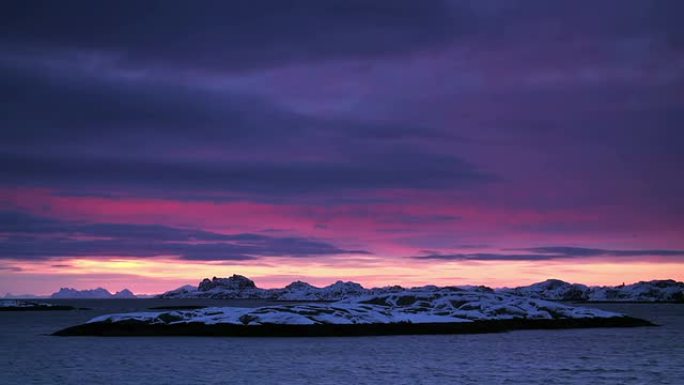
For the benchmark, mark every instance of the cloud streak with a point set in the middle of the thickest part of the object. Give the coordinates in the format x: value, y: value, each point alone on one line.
x: 35, y: 238
x: 392, y: 127
x: 571, y: 252
x: 168, y: 140
x: 550, y: 253
x: 217, y: 35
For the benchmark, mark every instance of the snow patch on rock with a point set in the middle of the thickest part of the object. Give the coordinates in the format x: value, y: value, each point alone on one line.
x: 420, y: 305
x: 644, y: 291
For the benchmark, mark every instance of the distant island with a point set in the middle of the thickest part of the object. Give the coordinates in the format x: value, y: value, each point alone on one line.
x: 21, y: 305
x: 99, y: 293
x: 22, y: 296
x: 656, y: 291
x: 241, y: 287
x: 349, y: 309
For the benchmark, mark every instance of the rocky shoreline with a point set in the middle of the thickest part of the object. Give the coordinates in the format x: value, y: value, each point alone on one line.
x: 140, y: 329
x: 241, y: 287
x: 16, y: 305
x: 430, y: 310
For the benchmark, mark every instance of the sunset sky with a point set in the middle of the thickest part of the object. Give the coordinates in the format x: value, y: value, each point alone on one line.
x: 147, y: 145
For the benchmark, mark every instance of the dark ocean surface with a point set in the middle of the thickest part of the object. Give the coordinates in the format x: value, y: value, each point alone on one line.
x: 649, y: 355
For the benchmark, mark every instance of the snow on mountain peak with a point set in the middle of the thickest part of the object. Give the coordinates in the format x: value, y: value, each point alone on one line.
x: 240, y: 287
x: 644, y: 291
x: 235, y: 282
x: 125, y: 293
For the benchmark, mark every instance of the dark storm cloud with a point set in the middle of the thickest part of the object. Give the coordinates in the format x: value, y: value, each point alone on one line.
x: 71, y: 127
x: 569, y: 252
x: 14, y: 222
x: 131, y: 98
x: 606, y: 18
x: 225, y: 35
x: 58, y: 108
x: 147, y: 138
x: 247, y: 35
x: 549, y: 253
x: 393, y: 170
x: 64, y: 107
x: 407, y: 219
x: 28, y: 237
x: 483, y: 257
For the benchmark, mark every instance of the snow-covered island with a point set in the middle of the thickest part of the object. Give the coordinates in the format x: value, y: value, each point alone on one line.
x: 425, y: 310
x: 99, y: 293
x: 18, y: 305
x: 645, y: 291
x: 240, y: 287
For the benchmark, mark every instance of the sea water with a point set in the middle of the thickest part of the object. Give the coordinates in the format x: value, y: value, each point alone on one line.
x: 645, y: 355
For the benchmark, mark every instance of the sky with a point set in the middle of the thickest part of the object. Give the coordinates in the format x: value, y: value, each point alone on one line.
x: 147, y: 145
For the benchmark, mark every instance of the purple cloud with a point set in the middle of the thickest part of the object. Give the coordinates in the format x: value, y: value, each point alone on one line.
x: 35, y: 238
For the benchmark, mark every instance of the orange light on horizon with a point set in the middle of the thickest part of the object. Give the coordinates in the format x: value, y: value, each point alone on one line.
x: 155, y: 275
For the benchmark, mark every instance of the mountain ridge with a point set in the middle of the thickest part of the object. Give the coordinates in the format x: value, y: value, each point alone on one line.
x: 241, y: 287
x: 97, y: 293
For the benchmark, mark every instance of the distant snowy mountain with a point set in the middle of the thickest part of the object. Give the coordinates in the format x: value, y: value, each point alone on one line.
x: 302, y: 291
x: 66, y: 292
x: 644, y: 291
x: 99, y: 293
x: 125, y: 293
x: 552, y: 289
x: 182, y: 292
x: 241, y: 287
